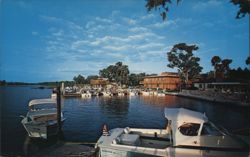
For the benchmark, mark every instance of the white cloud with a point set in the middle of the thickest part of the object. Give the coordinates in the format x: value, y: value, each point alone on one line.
x: 129, y: 21
x: 148, y: 16
x: 115, y: 13
x: 150, y: 46
x: 164, y: 24
x: 104, y: 41
x: 89, y: 24
x: 203, y: 5
x: 34, y: 33
x: 138, y: 29
x: 58, y: 33
x: 61, y: 21
x: 116, y: 48
x: 104, y: 20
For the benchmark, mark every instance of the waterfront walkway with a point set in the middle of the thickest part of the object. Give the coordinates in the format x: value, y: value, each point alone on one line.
x: 214, y: 97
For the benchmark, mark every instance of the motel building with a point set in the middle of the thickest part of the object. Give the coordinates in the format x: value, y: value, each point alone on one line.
x: 165, y: 81
x: 99, y: 83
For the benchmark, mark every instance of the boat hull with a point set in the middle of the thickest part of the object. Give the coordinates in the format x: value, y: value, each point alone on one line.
x: 170, y: 152
x: 42, y: 129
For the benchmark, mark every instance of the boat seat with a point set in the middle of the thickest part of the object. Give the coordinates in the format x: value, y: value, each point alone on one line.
x: 129, y: 139
x: 127, y: 130
x: 155, y: 138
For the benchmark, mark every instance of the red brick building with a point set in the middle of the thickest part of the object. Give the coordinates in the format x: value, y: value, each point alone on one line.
x: 166, y: 80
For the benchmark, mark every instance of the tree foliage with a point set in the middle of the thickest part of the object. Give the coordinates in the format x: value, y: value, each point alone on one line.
x: 161, y: 5
x: 134, y: 79
x: 248, y: 61
x: 3, y: 83
x: 181, y: 57
x: 239, y: 75
x: 118, y: 73
x: 220, y: 66
x: 79, y: 79
x: 244, y: 6
x: 90, y: 77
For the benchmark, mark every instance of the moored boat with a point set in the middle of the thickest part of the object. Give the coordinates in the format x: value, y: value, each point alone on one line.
x: 41, y: 119
x: 188, y: 133
x: 86, y: 94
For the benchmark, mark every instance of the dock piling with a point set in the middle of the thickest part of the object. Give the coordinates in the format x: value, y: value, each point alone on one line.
x: 58, y: 98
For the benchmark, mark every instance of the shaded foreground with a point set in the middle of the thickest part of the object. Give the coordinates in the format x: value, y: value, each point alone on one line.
x: 67, y: 149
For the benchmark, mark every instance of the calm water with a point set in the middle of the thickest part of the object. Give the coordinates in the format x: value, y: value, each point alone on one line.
x: 86, y: 116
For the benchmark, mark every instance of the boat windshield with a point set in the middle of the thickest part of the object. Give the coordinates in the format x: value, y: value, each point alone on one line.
x: 43, y: 106
x: 189, y: 129
x: 209, y: 129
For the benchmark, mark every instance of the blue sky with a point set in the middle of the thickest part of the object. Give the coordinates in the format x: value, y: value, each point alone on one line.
x: 54, y: 40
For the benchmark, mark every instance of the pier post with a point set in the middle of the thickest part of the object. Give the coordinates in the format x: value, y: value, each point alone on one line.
x: 58, y: 98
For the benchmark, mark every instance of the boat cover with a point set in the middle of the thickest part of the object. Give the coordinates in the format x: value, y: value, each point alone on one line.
x: 42, y: 101
x: 184, y: 115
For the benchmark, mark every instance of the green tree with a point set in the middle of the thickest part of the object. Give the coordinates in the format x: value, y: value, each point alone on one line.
x: 87, y: 81
x: 181, y: 57
x: 163, y: 7
x: 239, y: 75
x: 244, y: 6
x: 3, y: 83
x: 79, y: 79
x: 121, y: 73
x: 220, y: 66
x: 117, y: 72
x: 108, y: 72
x: 248, y: 61
x: 225, y: 65
x: 215, y: 62
x: 134, y: 79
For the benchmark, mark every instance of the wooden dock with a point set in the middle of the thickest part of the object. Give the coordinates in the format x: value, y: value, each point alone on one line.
x: 67, y: 149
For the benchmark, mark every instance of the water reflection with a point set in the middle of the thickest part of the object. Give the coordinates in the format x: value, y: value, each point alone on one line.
x: 167, y: 101
x: 114, y: 105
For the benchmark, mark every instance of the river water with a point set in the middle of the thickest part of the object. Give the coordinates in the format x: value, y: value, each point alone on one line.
x: 85, y: 117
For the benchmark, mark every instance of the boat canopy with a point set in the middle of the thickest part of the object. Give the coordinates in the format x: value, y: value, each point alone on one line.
x: 42, y: 101
x: 184, y: 115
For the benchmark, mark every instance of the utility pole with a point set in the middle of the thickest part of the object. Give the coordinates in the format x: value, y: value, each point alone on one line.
x: 58, y: 98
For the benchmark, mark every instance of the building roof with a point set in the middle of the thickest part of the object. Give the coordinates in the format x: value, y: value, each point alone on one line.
x: 99, y: 81
x: 184, y: 115
x: 164, y: 74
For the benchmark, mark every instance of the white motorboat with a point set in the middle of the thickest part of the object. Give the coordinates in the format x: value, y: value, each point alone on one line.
x: 188, y: 134
x: 132, y: 93
x: 86, y: 94
x: 41, y: 119
x: 121, y: 94
x: 53, y: 96
x: 146, y: 93
x: 160, y: 93
x: 107, y: 94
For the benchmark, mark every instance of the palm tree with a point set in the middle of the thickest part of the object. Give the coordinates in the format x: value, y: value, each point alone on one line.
x: 225, y: 63
x: 248, y: 60
x: 215, y: 62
